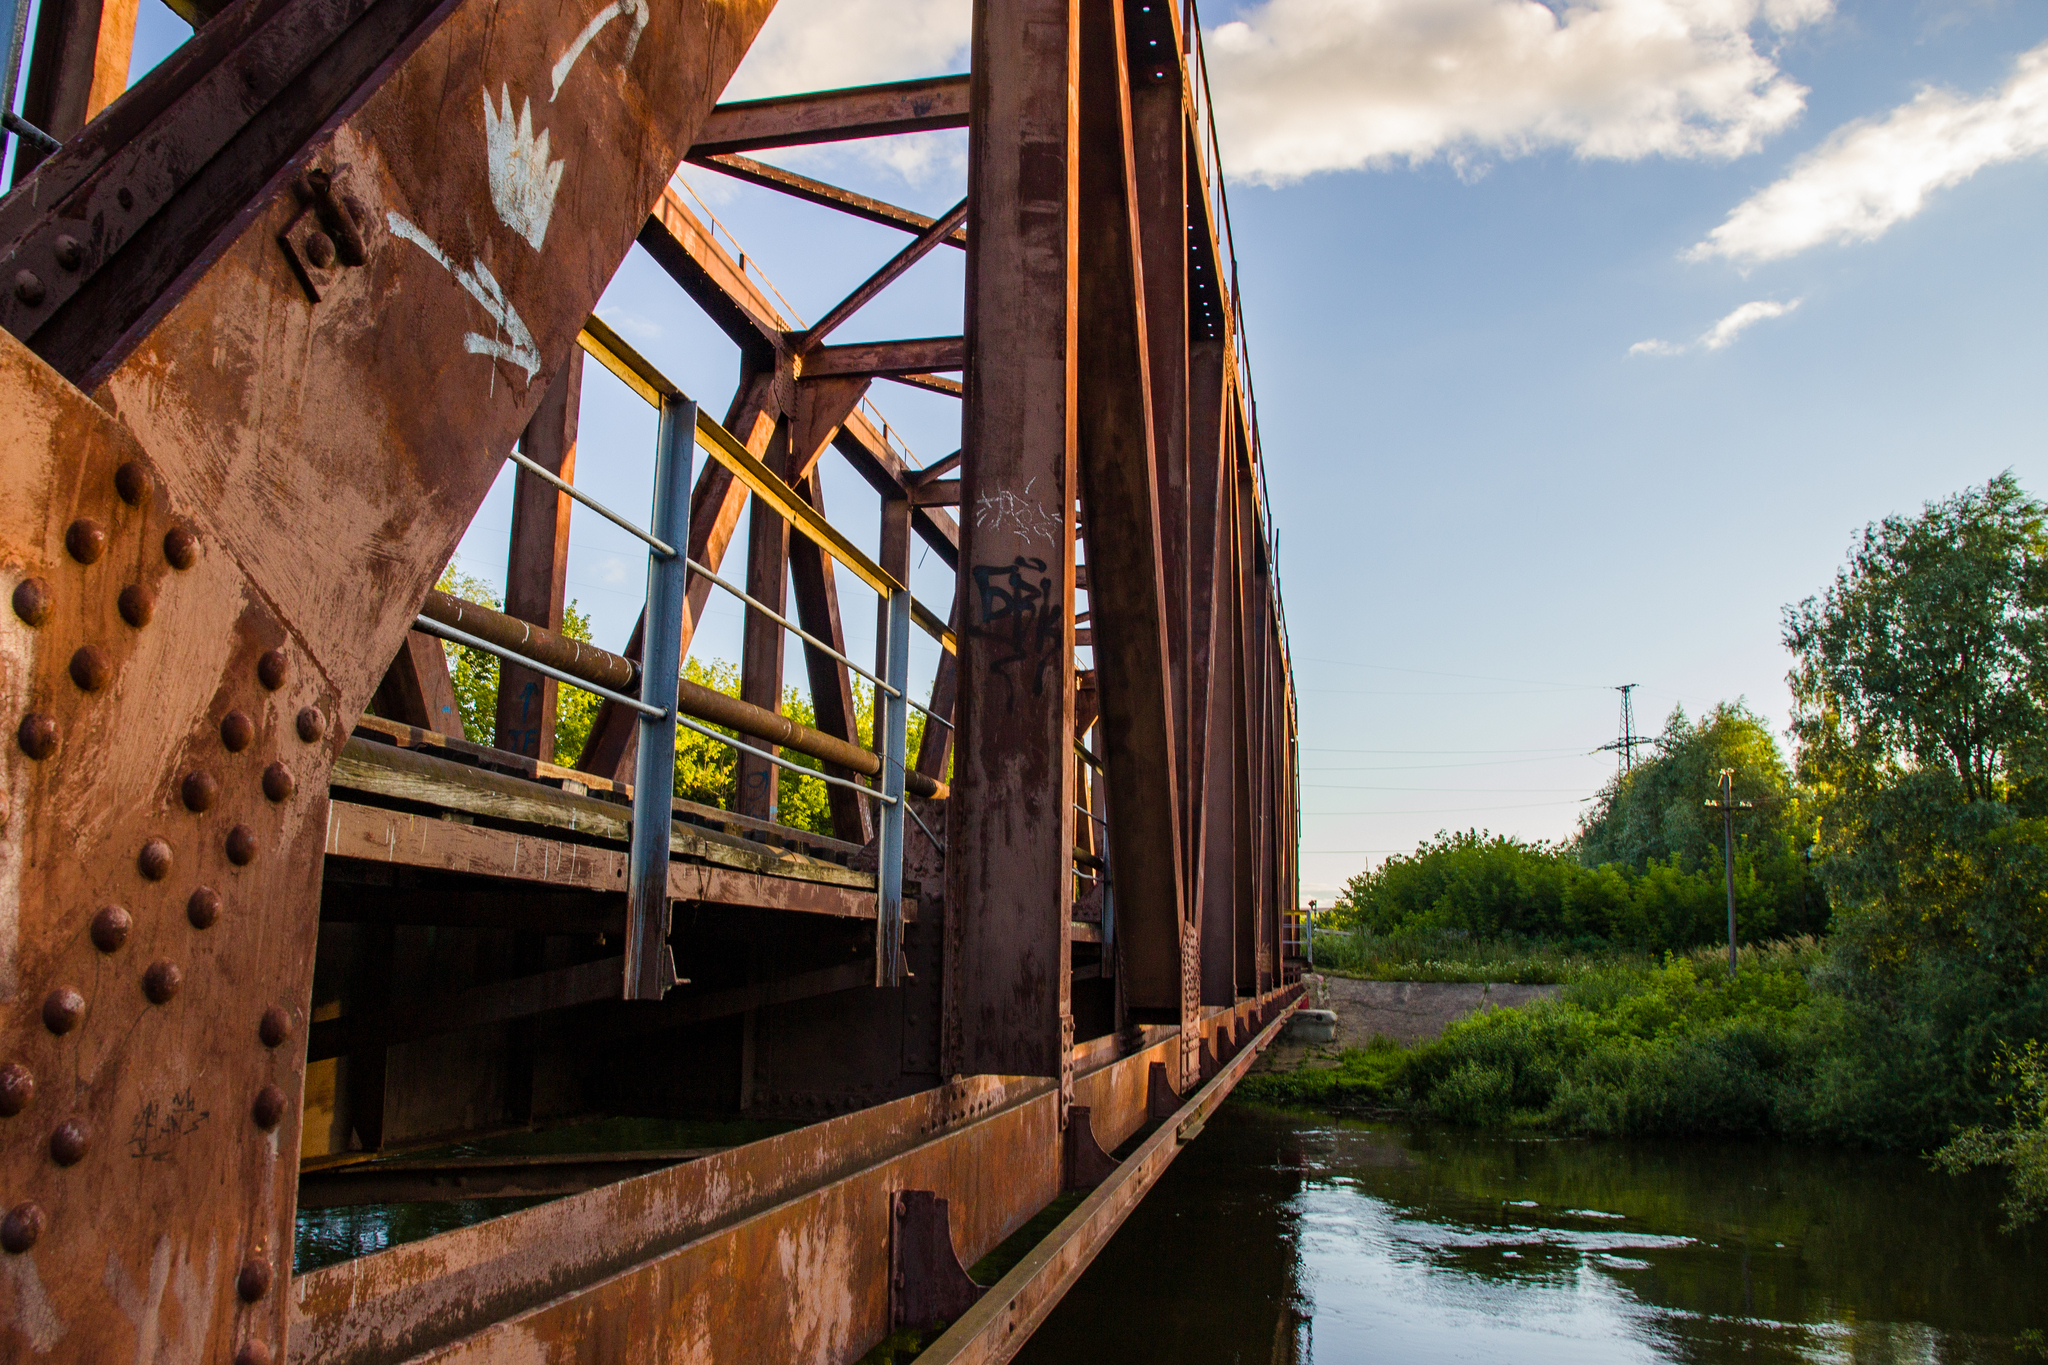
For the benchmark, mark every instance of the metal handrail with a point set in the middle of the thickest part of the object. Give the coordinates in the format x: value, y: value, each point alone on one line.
x: 660, y: 547
x: 428, y: 625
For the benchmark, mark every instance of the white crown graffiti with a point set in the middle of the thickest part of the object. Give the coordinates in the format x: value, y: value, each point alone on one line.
x: 523, y: 180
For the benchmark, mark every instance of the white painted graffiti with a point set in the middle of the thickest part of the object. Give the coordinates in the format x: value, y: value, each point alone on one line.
x: 1018, y: 512
x: 523, y: 179
x: 635, y: 10
x: 513, y: 342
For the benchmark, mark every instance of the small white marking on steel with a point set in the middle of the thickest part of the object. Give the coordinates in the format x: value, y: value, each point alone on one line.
x: 483, y: 286
x: 523, y: 179
x: 34, y: 1315
x: 636, y: 10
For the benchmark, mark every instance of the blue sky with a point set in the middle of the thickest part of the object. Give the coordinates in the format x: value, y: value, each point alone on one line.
x: 1484, y: 248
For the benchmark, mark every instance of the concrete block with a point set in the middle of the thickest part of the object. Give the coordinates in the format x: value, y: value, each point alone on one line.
x: 1312, y: 1026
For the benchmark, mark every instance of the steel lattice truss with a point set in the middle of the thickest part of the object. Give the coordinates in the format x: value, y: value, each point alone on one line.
x: 274, y: 319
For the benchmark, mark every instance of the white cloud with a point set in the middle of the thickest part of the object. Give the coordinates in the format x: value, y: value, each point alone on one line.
x: 1722, y: 333
x: 1872, y: 174
x: 1319, y: 85
x: 827, y: 44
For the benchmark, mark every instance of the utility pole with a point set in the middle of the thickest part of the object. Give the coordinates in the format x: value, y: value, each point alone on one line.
x: 1630, y: 741
x: 1728, y: 806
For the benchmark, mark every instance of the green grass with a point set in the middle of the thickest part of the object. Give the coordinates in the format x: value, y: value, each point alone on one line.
x: 1455, y: 956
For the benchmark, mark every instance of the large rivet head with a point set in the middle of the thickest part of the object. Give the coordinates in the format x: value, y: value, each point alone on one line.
x: 17, y: 1088
x: 133, y: 483
x: 110, y: 928
x: 62, y: 1009
x: 312, y: 725
x: 277, y: 782
x: 37, y: 735
x: 273, y: 668
x: 202, y: 908
x: 91, y: 669
x: 162, y: 980
x: 86, y: 539
x: 319, y: 249
x: 253, y: 1353
x: 70, y: 255
x: 241, y: 845
x: 21, y: 1227
x: 181, y: 548
x: 268, y: 1110
x: 275, y: 1027
x: 32, y: 600
x: 199, y: 791
x: 237, y: 731
x: 154, y: 862
x: 69, y: 1142
x: 254, y: 1281
x: 28, y: 288
x: 137, y: 605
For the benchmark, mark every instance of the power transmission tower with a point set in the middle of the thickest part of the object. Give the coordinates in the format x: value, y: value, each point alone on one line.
x: 1630, y: 741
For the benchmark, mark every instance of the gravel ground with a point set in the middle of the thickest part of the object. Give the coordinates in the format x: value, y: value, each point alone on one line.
x: 1408, y: 1012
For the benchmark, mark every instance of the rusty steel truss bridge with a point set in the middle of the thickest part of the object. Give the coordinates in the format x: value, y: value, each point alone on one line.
x: 274, y: 935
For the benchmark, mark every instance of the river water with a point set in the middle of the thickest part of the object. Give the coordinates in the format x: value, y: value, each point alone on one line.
x: 1281, y: 1237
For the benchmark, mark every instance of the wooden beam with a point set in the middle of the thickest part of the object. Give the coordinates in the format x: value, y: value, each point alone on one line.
x: 829, y: 196
x: 834, y: 116
x: 914, y: 356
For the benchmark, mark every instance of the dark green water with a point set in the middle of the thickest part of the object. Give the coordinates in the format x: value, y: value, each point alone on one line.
x: 1285, y: 1237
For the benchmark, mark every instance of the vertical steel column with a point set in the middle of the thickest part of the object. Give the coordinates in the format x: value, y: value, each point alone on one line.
x: 650, y: 970
x: 893, y: 723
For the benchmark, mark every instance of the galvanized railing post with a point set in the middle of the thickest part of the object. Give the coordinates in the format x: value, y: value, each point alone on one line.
x: 650, y: 967
x: 893, y: 725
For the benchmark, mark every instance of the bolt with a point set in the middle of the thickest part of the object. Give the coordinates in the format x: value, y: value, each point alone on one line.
x: 199, y: 791
x: 275, y: 1027
x: 110, y: 928
x: 203, y: 907
x: 241, y: 845
x: 237, y: 731
x: 273, y: 668
x: 68, y: 1143
x: 32, y: 601
x: 62, y: 1009
x: 253, y: 1353
x: 125, y: 197
x: 17, y: 1088
x: 91, y: 669
x: 161, y: 981
x: 254, y: 1281
x: 154, y: 861
x: 28, y: 288
x: 133, y: 483
x: 137, y: 605
x: 277, y: 782
x: 181, y: 548
x: 22, y: 1226
x: 268, y: 1110
x: 319, y: 249
x: 37, y: 735
x: 86, y: 539
x: 70, y: 255
x: 312, y: 724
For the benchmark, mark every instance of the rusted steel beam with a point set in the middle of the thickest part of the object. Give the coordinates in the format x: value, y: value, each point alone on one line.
x: 416, y: 688
x: 931, y: 383
x: 890, y: 272
x: 1010, y: 827
x: 885, y: 358
x: 548, y: 1176
x: 537, y: 561
x: 1126, y: 559
x: 77, y: 64
x: 936, y: 493
x: 1210, y: 691
x: 997, y: 1327
x: 829, y: 196
x: 816, y: 590
x: 758, y: 782
x: 834, y: 116
x: 644, y: 1269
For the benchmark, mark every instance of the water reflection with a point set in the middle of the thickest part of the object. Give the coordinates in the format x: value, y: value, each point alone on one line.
x: 1288, y: 1237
